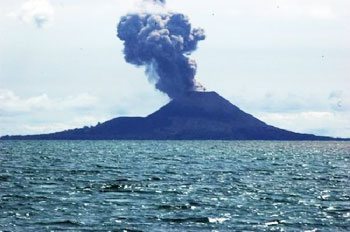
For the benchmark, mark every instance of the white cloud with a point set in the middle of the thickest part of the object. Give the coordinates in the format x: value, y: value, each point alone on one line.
x: 327, y: 114
x: 321, y: 123
x: 76, y: 122
x: 42, y: 114
x: 10, y: 103
x: 45, y: 114
x: 38, y: 12
x: 284, y: 102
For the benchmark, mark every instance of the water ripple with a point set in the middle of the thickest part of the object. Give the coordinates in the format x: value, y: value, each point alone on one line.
x: 174, y: 186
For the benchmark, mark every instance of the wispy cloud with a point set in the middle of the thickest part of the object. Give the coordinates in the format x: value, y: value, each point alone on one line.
x: 37, y: 12
x: 278, y: 102
x: 44, y: 114
x: 321, y: 123
x: 327, y: 115
x: 45, y: 127
x: 11, y: 104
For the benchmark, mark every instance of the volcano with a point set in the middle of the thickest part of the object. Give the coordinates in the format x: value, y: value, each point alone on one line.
x: 194, y: 116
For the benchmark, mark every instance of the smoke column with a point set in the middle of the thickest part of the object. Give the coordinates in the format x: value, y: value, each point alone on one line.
x: 162, y: 42
x: 157, y: 1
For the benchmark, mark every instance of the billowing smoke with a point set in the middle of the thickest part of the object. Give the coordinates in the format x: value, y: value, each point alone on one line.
x: 162, y: 42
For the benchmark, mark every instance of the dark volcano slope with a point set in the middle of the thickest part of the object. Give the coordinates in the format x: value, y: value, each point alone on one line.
x: 198, y: 115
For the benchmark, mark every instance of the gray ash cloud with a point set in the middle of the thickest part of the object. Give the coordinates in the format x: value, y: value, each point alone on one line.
x: 162, y: 42
x: 158, y: 1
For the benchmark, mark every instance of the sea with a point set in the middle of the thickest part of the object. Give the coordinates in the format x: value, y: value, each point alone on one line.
x: 174, y: 186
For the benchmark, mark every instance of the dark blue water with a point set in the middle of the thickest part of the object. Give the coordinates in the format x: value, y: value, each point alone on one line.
x: 174, y: 186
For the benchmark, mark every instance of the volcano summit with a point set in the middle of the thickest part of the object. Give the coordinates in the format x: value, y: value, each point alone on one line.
x: 193, y: 116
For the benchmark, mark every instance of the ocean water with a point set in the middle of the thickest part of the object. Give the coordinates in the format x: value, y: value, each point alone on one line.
x: 174, y: 186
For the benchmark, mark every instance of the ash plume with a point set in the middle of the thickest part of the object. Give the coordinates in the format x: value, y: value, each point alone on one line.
x: 157, y: 1
x: 162, y: 42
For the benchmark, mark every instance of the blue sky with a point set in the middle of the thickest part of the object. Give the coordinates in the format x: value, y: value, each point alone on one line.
x: 285, y: 61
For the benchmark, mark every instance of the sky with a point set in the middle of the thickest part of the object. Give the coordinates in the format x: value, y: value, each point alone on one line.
x: 287, y: 62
